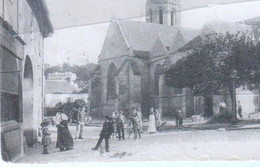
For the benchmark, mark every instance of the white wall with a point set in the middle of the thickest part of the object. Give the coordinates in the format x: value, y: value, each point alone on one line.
x: 52, y: 99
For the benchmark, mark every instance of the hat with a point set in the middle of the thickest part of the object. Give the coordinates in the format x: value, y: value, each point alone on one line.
x: 45, y: 123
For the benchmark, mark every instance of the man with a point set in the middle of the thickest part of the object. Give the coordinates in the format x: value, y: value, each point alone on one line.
x: 120, y: 125
x: 80, y: 122
x: 140, y: 120
x: 222, y: 108
x: 239, y: 110
x: 105, y: 134
x: 179, y: 119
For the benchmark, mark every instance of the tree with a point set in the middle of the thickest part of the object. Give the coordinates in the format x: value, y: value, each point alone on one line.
x: 206, y: 70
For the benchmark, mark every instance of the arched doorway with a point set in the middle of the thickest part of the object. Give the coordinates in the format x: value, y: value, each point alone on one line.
x: 29, y: 133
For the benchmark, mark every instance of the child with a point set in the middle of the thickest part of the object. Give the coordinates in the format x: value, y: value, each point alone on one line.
x: 46, y: 139
x: 105, y: 134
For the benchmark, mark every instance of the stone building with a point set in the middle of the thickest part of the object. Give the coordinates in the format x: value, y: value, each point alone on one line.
x: 23, y: 26
x: 136, y: 54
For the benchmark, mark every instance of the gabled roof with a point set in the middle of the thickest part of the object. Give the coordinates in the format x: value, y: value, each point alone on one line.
x: 183, y: 37
x: 141, y: 36
x: 159, y: 48
x: 133, y: 64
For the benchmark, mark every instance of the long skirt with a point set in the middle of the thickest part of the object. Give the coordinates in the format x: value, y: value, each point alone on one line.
x: 64, y: 138
x: 151, y: 127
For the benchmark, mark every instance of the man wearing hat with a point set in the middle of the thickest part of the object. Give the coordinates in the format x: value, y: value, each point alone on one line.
x: 105, y: 134
x: 80, y: 121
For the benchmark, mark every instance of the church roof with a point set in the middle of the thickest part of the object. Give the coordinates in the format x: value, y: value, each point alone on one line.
x: 254, y: 22
x: 218, y: 27
x: 223, y: 27
x: 142, y: 35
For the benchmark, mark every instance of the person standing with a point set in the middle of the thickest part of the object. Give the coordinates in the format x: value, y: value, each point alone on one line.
x: 46, y: 136
x: 239, y: 109
x: 64, y: 138
x: 120, y: 125
x: 158, y: 118
x: 105, y: 134
x: 151, y: 127
x: 139, y: 120
x: 80, y: 122
x: 222, y: 108
x: 113, y: 121
x: 179, y: 118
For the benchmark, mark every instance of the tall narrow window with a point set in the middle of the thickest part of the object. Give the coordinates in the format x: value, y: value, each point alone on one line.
x: 160, y: 16
x: 151, y: 15
x: 173, y: 18
x: 156, y: 80
x: 111, y: 82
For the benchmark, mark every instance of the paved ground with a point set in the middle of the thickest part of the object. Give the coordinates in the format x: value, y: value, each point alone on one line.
x: 170, y: 146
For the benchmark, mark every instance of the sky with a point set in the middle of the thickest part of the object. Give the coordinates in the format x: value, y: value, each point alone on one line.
x: 76, y: 40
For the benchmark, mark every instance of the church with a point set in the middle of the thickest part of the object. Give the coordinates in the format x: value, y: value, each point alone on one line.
x: 135, y: 56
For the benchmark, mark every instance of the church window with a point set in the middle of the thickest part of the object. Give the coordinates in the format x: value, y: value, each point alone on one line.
x: 160, y: 16
x: 157, y: 79
x: 173, y: 18
x: 111, y: 82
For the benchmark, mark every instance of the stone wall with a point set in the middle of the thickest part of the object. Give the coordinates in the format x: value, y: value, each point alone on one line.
x: 21, y: 35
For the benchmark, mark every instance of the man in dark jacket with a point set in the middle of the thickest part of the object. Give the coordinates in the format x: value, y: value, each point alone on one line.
x: 105, y: 134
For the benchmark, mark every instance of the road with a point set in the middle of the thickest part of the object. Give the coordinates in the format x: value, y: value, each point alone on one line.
x: 175, y: 146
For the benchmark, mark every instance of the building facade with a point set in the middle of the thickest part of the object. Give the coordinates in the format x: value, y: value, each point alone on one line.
x: 24, y: 25
x: 135, y: 56
x: 62, y: 76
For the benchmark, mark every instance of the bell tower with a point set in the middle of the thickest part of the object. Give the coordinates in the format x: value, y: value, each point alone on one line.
x: 163, y: 12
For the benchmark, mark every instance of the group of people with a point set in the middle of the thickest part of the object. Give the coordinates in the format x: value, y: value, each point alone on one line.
x: 64, y: 138
x: 113, y: 127
x: 223, y: 110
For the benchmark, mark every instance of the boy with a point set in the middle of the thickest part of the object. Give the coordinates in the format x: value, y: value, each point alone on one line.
x: 105, y: 134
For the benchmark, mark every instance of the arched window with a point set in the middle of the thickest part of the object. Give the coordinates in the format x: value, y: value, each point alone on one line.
x: 111, y: 82
x: 160, y: 16
x: 173, y: 18
x: 157, y: 72
x: 151, y: 15
x: 28, y: 70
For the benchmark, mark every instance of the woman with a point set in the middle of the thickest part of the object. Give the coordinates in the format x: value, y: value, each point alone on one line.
x: 64, y: 138
x: 151, y: 127
x: 114, y: 130
x: 158, y: 118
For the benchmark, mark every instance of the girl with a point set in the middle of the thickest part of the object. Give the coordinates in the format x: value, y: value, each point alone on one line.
x: 151, y: 127
x: 46, y: 136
